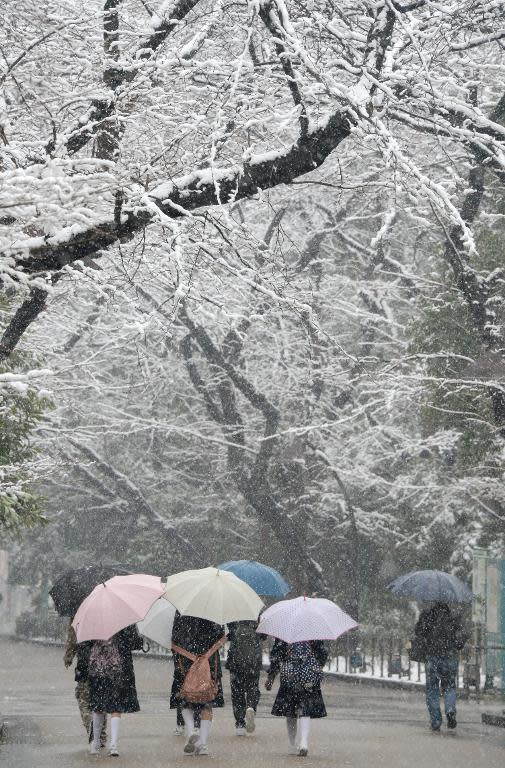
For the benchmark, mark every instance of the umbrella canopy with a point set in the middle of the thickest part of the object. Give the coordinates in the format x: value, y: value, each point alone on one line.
x: 159, y: 623
x: 431, y: 586
x: 70, y: 589
x: 114, y: 605
x: 212, y: 594
x: 265, y: 581
x: 305, y: 618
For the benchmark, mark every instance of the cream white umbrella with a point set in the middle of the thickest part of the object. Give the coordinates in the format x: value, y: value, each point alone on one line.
x: 158, y: 623
x: 212, y: 594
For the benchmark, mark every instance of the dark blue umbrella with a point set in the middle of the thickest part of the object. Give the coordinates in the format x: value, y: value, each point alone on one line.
x: 431, y: 586
x: 264, y: 580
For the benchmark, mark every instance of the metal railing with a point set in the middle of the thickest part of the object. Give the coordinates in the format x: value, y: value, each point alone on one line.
x: 359, y: 654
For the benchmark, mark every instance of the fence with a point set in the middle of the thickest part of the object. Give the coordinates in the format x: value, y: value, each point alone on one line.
x: 357, y: 654
x: 374, y: 656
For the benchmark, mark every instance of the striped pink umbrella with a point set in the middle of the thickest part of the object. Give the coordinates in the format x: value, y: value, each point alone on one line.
x: 115, y: 604
x: 305, y: 618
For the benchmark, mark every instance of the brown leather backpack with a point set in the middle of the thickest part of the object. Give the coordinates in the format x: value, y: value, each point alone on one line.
x: 199, y: 687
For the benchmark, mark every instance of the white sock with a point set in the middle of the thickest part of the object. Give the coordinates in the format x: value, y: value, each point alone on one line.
x: 304, y: 731
x: 205, y: 727
x: 291, y: 726
x: 98, y: 721
x: 115, y: 722
x: 189, y: 721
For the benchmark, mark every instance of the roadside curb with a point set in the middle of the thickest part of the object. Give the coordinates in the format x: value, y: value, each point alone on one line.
x: 377, y: 682
x: 489, y: 718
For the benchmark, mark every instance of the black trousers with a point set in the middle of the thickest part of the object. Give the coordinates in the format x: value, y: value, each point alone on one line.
x: 245, y: 693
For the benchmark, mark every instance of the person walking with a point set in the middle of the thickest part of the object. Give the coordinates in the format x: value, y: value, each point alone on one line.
x: 244, y: 663
x: 196, y: 637
x: 81, y: 652
x: 439, y: 636
x: 299, y: 698
x: 112, y: 687
x: 179, y: 724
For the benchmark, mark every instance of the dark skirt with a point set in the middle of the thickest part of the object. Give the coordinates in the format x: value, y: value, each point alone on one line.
x: 299, y: 703
x: 107, y: 695
x: 181, y: 666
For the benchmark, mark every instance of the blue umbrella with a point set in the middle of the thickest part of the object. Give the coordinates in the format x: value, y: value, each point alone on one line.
x: 264, y: 580
x: 431, y: 586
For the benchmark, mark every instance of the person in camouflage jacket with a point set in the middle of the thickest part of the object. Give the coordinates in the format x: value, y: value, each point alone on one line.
x: 81, y: 651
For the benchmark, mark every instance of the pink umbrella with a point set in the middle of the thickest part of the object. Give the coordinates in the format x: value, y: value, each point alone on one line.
x: 305, y: 618
x: 115, y: 604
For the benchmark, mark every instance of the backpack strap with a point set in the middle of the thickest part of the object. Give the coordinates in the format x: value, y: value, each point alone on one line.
x: 184, y: 652
x: 206, y: 655
x: 212, y: 650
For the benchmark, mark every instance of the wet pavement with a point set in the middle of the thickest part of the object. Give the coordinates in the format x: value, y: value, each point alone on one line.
x: 366, y: 727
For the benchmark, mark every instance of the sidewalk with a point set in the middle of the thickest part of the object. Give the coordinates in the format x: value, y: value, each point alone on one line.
x: 365, y: 728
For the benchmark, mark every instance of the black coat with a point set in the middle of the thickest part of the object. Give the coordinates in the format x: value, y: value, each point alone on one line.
x: 255, y: 659
x: 291, y: 703
x: 439, y: 632
x: 196, y: 636
x: 119, y: 695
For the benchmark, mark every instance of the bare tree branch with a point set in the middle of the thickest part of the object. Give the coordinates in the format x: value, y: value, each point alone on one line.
x: 101, y: 109
x: 24, y: 316
x: 194, y: 191
x: 273, y: 23
x: 136, y: 500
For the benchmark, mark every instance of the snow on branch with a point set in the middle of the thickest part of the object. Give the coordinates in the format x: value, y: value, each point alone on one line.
x: 175, y: 199
x: 164, y: 24
x: 22, y: 382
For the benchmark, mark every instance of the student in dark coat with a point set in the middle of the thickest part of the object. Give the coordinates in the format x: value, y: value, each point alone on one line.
x: 439, y: 636
x: 299, y: 698
x: 244, y: 662
x: 196, y: 636
x: 112, y: 683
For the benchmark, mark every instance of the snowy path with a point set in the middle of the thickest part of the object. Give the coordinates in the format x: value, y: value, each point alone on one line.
x: 366, y: 727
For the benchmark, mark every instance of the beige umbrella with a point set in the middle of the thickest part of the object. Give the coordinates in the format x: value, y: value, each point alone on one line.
x: 212, y: 594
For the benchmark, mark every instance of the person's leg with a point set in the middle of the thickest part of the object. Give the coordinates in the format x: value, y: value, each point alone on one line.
x: 205, y: 728
x: 103, y: 734
x: 188, y: 714
x: 98, y: 721
x: 448, y: 674
x: 188, y: 720
x: 433, y: 693
x: 238, y: 699
x: 304, y: 728
x: 252, y: 695
x: 82, y: 696
x: 115, y: 722
x: 291, y: 725
x: 179, y: 724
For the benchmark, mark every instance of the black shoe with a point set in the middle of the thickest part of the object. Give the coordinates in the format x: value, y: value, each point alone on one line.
x: 435, y: 727
x: 451, y: 720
